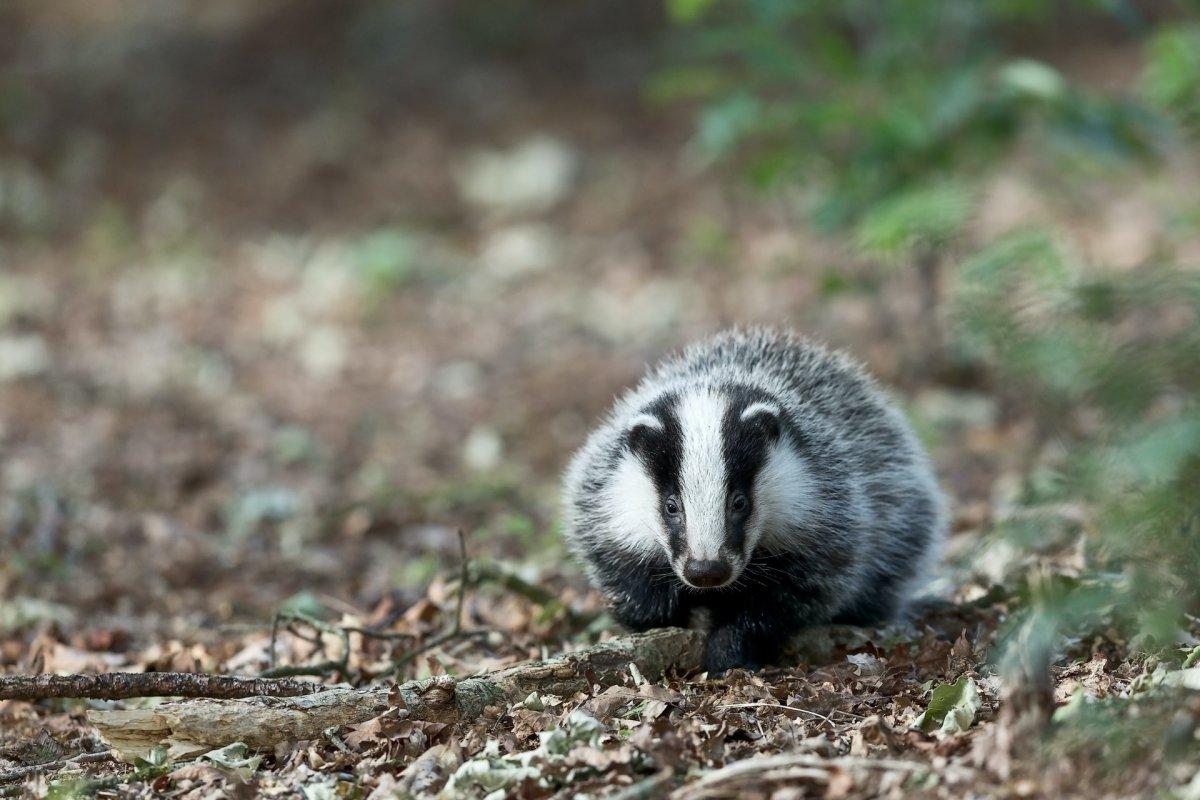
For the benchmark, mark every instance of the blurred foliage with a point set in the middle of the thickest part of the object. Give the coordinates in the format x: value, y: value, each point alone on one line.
x: 891, y: 115
x: 1108, y: 363
x: 879, y: 102
x: 923, y: 217
x: 1172, y: 78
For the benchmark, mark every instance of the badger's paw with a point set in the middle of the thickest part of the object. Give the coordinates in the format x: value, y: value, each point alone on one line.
x: 727, y: 648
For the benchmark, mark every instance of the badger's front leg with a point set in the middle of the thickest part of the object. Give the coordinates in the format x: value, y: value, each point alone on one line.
x: 750, y: 628
x: 747, y: 637
x: 641, y: 599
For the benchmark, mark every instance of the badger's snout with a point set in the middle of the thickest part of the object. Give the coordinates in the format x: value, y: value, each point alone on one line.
x: 708, y: 574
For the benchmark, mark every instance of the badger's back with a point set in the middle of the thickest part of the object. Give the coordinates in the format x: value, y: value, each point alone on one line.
x: 875, y: 520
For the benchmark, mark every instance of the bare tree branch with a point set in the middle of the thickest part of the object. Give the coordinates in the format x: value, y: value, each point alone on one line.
x: 123, y: 685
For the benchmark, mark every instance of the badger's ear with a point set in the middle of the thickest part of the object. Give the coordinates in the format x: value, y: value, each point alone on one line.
x: 644, y: 433
x: 763, y: 418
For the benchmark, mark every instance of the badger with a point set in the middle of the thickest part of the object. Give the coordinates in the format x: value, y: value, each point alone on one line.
x: 761, y: 480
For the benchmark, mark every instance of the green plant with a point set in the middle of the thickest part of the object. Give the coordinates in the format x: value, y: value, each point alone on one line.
x: 891, y: 113
x: 871, y: 99
x: 1106, y: 361
x: 1172, y: 77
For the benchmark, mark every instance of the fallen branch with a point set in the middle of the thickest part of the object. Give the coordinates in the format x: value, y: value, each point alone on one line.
x: 124, y: 685
x: 195, y: 726
x: 190, y: 727
x: 793, y: 768
x: 21, y: 773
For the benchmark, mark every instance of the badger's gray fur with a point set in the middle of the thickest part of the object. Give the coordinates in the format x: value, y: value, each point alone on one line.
x: 762, y: 478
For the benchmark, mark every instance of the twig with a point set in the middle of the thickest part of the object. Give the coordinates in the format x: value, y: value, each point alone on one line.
x: 437, y: 641
x: 21, y: 773
x: 792, y: 766
x: 780, y: 706
x: 463, y: 565
x: 374, y: 634
x: 456, y: 630
x: 322, y: 670
x: 318, y: 670
x: 794, y: 708
x: 512, y: 582
x: 315, y: 638
x: 341, y: 665
x: 331, y: 735
x: 123, y: 685
x: 507, y: 579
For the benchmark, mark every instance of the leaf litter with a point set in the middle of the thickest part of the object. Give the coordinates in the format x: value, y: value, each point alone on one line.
x: 878, y: 712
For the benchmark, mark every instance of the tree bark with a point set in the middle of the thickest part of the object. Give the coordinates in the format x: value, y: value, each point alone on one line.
x: 189, y: 727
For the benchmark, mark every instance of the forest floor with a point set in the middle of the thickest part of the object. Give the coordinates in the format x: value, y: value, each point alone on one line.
x: 264, y: 353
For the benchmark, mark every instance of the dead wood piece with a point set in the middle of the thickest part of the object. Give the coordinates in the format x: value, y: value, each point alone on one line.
x: 191, y: 727
x: 124, y: 685
x: 194, y: 726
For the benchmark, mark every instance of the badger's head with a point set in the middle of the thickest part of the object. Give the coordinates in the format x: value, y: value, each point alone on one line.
x: 702, y: 476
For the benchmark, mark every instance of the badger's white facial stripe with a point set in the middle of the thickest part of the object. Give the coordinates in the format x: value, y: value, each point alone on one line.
x: 760, y: 408
x: 784, y: 492
x: 631, y: 501
x: 702, y: 477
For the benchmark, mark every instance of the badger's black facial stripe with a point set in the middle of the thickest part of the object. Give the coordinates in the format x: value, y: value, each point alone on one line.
x: 660, y: 449
x: 751, y: 427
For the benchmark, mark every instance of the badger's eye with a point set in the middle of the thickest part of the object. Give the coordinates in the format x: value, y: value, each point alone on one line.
x: 739, y: 503
x: 671, y: 506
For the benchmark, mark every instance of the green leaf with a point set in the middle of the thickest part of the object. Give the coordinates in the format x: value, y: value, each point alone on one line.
x: 154, y: 764
x: 74, y: 788
x: 1172, y: 76
x: 385, y: 259
x: 1073, y: 709
x: 1192, y: 658
x: 727, y: 122
x: 923, y: 217
x: 952, y: 707
x: 1033, y: 79
x: 1157, y: 452
x: 688, y: 11
x: 303, y: 603
x: 686, y: 83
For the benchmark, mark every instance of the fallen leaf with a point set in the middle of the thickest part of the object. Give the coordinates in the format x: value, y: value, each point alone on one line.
x: 951, y: 708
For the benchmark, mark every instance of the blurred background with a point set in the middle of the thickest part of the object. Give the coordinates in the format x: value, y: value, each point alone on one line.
x: 291, y: 291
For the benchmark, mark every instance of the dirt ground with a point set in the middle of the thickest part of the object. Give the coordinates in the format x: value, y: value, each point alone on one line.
x: 266, y: 347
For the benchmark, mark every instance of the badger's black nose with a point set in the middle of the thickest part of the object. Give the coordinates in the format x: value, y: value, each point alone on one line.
x: 706, y: 573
